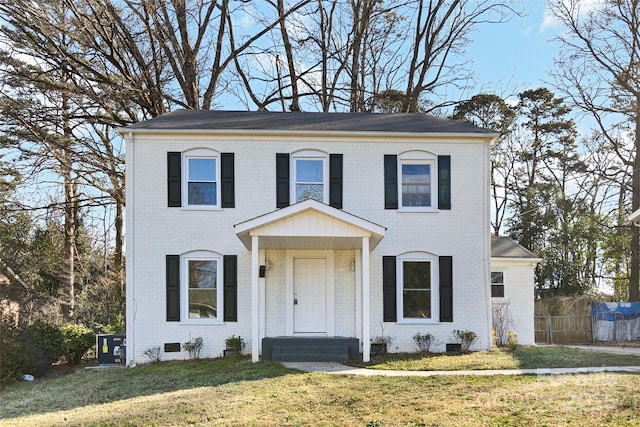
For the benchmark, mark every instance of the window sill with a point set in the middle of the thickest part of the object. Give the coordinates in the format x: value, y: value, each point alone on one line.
x: 418, y: 322
x: 204, y: 322
x: 201, y: 208
x: 423, y: 210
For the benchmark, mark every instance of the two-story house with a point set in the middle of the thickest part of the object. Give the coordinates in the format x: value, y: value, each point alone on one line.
x: 305, y: 227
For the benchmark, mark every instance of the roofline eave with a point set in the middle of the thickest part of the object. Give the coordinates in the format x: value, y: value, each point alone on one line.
x: 486, y: 137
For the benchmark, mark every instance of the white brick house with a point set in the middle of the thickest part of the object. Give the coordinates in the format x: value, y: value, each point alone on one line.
x: 263, y: 224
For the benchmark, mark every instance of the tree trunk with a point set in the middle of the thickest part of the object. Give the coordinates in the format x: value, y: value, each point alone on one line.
x: 117, y: 261
x: 293, y: 78
x: 68, y: 263
x: 634, y: 278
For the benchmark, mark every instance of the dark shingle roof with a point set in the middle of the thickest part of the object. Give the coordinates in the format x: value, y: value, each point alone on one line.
x: 505, y: 247
x: 296, y: 121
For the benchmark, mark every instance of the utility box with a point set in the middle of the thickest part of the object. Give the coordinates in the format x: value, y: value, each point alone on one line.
x: 111, y: 349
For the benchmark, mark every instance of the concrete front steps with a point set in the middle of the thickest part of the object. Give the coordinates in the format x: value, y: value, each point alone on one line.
x: 310, y: 349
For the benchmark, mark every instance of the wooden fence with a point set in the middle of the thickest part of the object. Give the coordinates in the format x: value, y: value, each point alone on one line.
x: 573, y: 329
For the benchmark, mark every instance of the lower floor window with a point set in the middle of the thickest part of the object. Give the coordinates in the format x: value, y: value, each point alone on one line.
x: 416, y: 278
x: 203, y: 280
x: 416, y: 293
x: 497, y: 284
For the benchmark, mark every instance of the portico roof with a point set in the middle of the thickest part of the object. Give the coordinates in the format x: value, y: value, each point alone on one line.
x: 309, y: 225
x: 635, y: 216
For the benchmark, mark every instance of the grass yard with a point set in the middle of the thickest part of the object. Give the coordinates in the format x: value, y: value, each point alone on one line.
x: 238, y: 392
x: 522, y: 358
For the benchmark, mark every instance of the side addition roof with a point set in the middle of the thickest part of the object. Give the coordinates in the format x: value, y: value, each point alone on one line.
x: 209, y: 120
x: 506, y: 247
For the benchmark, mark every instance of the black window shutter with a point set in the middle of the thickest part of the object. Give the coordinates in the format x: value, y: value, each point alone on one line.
x: 446, y: 288
x: 390, y: 182
x: 389, y: 288
x: 230, y: 272
x: 227, y: 177
x: 444, y: 182
x: 282, y: 180
x: 335, y: 180
x: 173, y: 288
x: 174, y: 166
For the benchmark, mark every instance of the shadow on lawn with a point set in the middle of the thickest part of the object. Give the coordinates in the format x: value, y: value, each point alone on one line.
x: 107, y: 385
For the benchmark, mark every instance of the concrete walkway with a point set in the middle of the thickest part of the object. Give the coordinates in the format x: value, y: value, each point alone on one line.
x: 339, y: 368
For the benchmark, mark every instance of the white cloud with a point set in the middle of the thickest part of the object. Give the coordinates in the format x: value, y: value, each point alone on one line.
x: 549, y: 21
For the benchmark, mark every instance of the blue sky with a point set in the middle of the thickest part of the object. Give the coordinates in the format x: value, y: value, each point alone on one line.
x: 516, y: 55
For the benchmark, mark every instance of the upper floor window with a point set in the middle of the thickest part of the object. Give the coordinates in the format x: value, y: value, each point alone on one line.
x: 201, y: 178
x: 417, y: 181
x: 310, y: 176
x: 415, y: 174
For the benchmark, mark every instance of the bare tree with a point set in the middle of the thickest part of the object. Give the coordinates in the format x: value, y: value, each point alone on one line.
x: 599, y: 69
x: 351, y: 55
x: 440, y: 31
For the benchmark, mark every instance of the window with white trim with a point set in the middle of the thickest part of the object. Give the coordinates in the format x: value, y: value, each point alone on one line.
x: 417, y: 287
x: 201, y: 283
x: 309, y: 176
x: 497, y: 284
x: 201, y: 178
x: 416, y: 175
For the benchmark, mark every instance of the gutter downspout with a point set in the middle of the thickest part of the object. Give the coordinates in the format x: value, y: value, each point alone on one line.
x: 131, y: 303
x: 487, y: 245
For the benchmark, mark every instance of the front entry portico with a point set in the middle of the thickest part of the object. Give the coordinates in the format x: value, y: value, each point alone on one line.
x: 310, y: 233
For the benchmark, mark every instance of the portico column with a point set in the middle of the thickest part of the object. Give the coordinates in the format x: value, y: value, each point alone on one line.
x: 366, y: 333
x: 255, y: 299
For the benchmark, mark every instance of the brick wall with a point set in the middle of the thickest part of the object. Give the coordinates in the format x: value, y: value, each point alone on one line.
x: 154, y: 230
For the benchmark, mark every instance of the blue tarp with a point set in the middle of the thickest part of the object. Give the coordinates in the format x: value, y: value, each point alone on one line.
x: 614, y: 311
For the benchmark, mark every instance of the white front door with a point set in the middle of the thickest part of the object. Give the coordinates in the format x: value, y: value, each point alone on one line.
x: 309, y: 296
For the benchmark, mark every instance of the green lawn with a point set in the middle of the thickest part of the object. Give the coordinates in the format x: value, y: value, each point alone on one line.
x: 238, y: 392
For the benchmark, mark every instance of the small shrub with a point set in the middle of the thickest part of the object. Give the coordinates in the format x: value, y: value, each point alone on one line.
x: 383, y: 339
x: 235, y: 342
x: 425, y: 342
x: 512, y: 340
x: 44, y: 342
x: 15, y: 359
x: 117, y: 326
x: 502, y: 321
x: 154, y: 354
x: 465, y: 338
x: 382, y: 342
x: 193, y: 347
x: 77, y: 340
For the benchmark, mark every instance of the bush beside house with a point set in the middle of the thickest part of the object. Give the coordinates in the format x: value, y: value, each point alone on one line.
x: 31, y: 349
